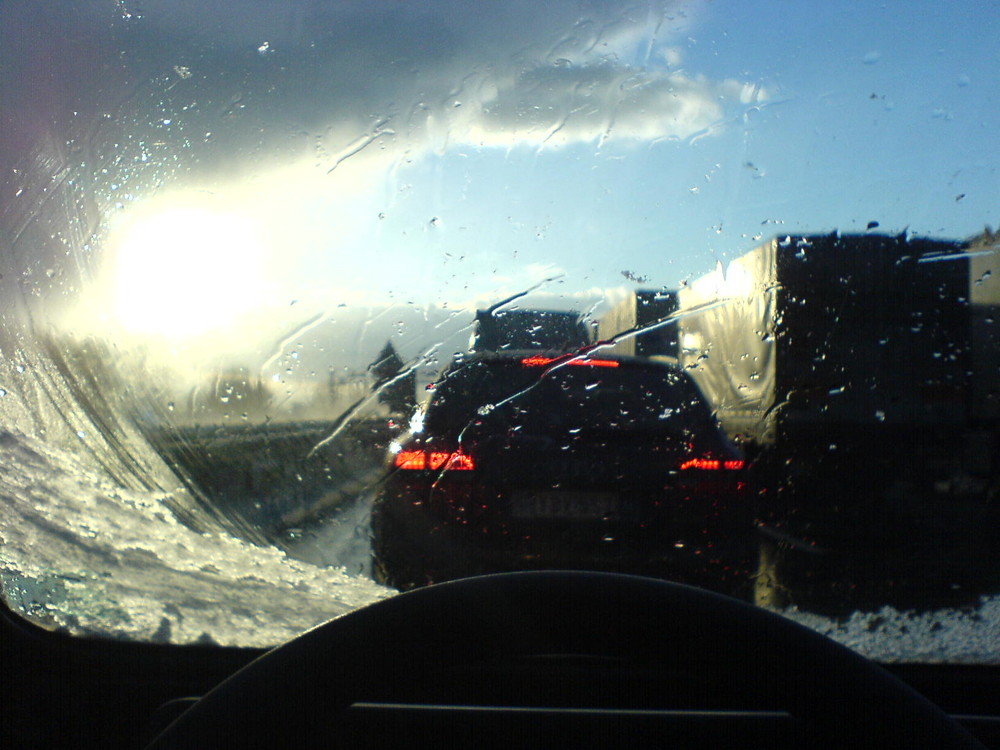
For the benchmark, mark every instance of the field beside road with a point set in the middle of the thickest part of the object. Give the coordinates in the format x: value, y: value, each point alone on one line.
x: 271, y: 480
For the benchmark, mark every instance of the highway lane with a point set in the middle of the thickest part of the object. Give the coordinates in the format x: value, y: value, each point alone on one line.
x: 341, y: 539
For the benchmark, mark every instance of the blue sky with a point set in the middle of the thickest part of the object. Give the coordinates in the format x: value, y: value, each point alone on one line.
x: 449, y: 153
x: 885, y: 114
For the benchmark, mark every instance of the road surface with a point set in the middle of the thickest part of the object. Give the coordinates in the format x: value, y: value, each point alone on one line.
x: 343, y: 539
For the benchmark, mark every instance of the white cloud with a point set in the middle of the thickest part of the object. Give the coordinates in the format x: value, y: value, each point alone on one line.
x: 672, y: 56
x: 577, y: 79
x: 312, y: 139
x: 382, y: 82
x: 560, y: 106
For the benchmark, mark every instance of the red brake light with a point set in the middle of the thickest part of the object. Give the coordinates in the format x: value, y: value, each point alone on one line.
x: 417, y: 460
x: 538, y: 361
x: 701, y: 463
x: 461, y: 462
x: 712, y: 464
x: 436, y: 459
x: 410, y: 460
x: 535, y: 361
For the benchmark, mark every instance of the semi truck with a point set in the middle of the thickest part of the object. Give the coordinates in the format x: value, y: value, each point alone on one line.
x: 870, y: 356
x: 634, y: 324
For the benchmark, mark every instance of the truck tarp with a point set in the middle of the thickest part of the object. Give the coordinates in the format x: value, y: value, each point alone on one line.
x: 642, y: 308
x: 850, y: 331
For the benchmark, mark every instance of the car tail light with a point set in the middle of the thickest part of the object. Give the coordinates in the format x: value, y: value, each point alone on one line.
x: 712, y: 464
x: 436, y: 459
x: 419, y: 460
x: 538, y: 361
x: 411, y: 460
x: 460, y: 462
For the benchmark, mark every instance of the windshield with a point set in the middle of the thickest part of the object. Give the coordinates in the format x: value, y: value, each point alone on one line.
x: 248, y: 251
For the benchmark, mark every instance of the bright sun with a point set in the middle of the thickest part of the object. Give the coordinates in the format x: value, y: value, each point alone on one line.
x: 187, y: 270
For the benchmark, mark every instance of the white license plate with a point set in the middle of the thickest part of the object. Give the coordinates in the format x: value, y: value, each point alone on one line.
x: 564, y: 504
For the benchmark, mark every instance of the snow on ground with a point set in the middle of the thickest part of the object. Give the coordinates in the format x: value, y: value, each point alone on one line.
x: 80, y: 554
x: 966, y: 636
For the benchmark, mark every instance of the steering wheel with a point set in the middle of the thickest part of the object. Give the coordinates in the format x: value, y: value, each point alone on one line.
x: 382, y: 651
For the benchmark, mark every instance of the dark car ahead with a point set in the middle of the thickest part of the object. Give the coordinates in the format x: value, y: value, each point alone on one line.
x: 528, y: 461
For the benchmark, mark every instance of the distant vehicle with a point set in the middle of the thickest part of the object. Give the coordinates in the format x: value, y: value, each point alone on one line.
x: 645, y: 317
x: 526, y: 461
x: 507, y: 330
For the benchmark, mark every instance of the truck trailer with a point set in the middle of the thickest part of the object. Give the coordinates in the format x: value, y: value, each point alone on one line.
x: 634, y: 324
x: 876, y: 354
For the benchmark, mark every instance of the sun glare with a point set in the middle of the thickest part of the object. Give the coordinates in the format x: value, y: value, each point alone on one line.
x: 187, y: 270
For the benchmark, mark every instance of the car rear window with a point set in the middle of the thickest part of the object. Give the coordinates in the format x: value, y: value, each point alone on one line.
x: 567, y: 398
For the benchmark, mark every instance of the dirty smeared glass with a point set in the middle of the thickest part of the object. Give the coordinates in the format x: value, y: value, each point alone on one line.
x: 240, y: 245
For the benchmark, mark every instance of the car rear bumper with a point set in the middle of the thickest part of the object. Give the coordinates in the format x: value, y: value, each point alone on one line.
x: 414, y: 546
